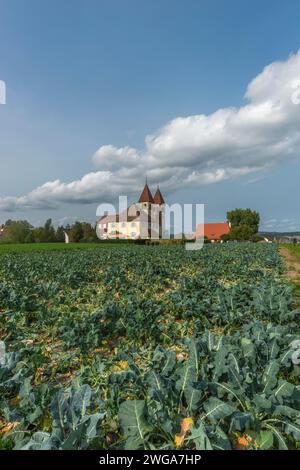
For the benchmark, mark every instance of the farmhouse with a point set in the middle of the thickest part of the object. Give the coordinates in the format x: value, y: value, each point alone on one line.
x: 142, y: 220
x: 213, y: 231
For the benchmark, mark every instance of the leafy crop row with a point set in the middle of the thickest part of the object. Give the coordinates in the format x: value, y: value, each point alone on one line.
x: 148, y: 347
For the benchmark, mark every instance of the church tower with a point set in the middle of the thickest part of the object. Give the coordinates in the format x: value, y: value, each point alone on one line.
x: 153, y: 213
x: 158, y: 198
x: 146, y: 198
x: 160, y: 202
x: 145, y: 202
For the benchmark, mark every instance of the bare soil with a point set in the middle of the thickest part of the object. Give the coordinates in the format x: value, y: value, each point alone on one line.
x: 292, y: 264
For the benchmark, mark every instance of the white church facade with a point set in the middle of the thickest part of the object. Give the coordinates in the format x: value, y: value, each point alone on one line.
x: 143, y: 220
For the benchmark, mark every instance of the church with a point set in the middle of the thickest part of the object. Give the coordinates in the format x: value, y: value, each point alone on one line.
x: 143, y: 220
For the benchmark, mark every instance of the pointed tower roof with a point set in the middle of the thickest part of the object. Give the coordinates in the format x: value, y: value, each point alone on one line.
x: 158, y: 198
x: 146, y: 195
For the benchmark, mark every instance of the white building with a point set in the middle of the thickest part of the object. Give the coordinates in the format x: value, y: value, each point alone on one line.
x: 144, y: 219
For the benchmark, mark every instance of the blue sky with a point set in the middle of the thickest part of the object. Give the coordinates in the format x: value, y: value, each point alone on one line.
x: 82, y: 75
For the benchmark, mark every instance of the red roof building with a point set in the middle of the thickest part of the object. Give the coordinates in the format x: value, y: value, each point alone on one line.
x: 213, y: 231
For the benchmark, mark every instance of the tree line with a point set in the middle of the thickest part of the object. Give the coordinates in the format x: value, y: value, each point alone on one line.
x: 244, y: 227
x: 21, y: 231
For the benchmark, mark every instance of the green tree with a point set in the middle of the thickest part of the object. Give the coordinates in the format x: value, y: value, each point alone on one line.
x: 60, y: 234
x: 244, y: 225
x: 44, y: 234
x: 241, y: 232
x: 239, y: 217
x: 49, y: 232
x: 38, y: 235
x: 18, y: 231
x: 76, y: 232
x: 30, y: 237
x: 89, y: 233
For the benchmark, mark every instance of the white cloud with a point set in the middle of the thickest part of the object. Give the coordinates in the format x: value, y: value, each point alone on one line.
x: 111, y: 157
x: 49, y: 195
x: 281, y: 225
x: 200, y: 149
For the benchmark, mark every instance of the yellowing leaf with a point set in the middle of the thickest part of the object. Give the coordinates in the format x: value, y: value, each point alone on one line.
x: 38, y: 374
x: 243, y: 442
x: 121, y: 365
x: 186, y: 425
x: 178, y: 440
x: 9, y: 427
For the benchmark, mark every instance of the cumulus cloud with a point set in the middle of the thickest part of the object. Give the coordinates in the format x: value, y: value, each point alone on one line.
x: 193, y: 150
x: 51, y: 194
x: 113, y: 158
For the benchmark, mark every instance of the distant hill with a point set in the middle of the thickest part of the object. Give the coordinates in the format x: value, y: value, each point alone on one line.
x: 279, y: 234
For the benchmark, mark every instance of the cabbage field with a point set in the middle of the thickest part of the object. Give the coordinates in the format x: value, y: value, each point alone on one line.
x: 149, y: 347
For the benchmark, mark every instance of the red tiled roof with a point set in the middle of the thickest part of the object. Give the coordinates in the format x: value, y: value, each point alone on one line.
x: 158, y: 198
x: 213, y: 231
x: 146, y: 195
